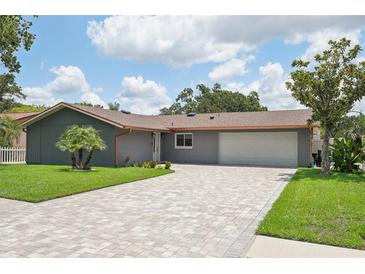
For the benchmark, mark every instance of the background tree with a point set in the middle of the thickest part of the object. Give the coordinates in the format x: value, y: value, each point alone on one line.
x: 14, y: 34
x: 114, y: 106
x: 215, y: 99
x: 80, y: 139
x: 353, y: 126
x: 19, y: 107
x: 89, y: 105
x: 9, y: 131
x: 330, y: 87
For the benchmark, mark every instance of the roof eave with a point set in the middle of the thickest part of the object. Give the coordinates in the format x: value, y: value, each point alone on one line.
x: 62, y: 105
x: 240, y: 127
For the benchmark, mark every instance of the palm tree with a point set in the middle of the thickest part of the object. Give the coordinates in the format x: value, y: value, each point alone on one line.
x: 9, y: 131
x: 80, y: 139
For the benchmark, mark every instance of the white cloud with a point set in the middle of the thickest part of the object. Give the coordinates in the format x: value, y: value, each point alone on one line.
x: 235, y: 86
x: 318, y: 41
x: 143, y: 96
x: 39, y: 96
x: 69, y: 81
x: 92, y: 98
x: 230, y: 69
x: 178, y: 40
x: 187, y: 40
x: 271, y: 88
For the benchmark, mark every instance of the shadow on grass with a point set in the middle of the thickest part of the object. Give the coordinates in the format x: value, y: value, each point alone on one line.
x: 285, y: 176
x: 70, y: 170
x: 315, y: 175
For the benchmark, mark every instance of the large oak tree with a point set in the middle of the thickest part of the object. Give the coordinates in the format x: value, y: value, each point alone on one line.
x: 329, y: 86
x: 215, y: 99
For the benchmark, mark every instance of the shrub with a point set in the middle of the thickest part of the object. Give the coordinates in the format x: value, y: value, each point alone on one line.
x: 138, y: 164
x: 146, y: 165
x: 167, y: 165
x: 127, y: 160
x: 152, y: 163
x: 347, y: 154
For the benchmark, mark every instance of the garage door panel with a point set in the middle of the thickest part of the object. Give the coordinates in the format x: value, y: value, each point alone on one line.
x: 259, y: 148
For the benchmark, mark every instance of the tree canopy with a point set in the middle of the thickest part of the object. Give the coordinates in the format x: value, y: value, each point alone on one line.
x: 211, y: 100
x: 114, y: 106
x: 89, y: 105
x: 19, y: 107
x: 14, y: 35
x: 329, y: 86
x: 351, y: 125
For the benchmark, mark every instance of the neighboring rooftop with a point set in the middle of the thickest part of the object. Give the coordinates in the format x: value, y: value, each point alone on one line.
x: 20, y: 116
x: 207, y: 121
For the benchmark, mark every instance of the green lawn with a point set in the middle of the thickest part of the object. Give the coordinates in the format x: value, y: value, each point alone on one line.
x: 36, y: 183
x: 318, y: 209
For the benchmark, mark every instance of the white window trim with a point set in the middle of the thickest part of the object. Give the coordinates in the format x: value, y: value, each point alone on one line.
x: 184, y: 147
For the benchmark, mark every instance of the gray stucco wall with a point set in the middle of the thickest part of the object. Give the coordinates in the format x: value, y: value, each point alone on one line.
x: 204, y: 151
x: 136, y: 144
x: 304, y: 147
x: 205, y: 147
x: 43, y: 135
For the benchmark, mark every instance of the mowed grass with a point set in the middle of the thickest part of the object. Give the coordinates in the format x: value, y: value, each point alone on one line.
x: 318, y: 209
x: 36, y: 183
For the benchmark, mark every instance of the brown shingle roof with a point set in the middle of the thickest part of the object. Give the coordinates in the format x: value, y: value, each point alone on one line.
x: 123, y: 119
x: 260, y: 119
x: 208, y: 121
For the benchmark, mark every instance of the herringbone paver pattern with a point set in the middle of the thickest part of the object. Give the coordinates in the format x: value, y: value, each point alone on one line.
x: 198, y: 211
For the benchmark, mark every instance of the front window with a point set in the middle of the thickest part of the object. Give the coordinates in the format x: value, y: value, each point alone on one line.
x: 183, y: 140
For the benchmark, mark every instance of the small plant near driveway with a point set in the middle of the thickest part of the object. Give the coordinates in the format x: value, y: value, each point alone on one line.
x: 152, y: 163
x: 167, y: 165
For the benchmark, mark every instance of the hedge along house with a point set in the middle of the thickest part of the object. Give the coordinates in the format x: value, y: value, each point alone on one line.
x: 267, y: 138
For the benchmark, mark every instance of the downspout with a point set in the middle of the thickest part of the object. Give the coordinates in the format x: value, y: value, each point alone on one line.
x: 116, y: 147
x: 310, y: 144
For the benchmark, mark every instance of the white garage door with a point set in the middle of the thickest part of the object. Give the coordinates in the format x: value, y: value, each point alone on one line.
x: 259, y: 148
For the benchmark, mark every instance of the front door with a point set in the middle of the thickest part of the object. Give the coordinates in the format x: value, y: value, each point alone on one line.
x: 156, y: 142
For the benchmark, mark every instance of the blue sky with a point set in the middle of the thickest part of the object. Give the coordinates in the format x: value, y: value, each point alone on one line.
x: 143, y: 62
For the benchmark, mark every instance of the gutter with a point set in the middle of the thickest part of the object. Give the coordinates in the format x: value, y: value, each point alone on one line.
x: 310, y: 144
x: 216, y: 128
x: 116, y: 147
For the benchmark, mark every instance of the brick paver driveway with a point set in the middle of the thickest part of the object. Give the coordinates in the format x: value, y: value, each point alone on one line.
x: 198, y: 211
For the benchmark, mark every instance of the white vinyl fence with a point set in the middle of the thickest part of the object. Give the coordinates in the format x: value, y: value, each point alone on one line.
x: 12, y: 155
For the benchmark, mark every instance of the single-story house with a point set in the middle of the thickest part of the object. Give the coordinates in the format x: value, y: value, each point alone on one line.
x: 20, y: 117
x: 265, y: 138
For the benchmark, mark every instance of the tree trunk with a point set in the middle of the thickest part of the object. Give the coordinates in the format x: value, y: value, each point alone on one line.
x: 88, y: 159
x: 325, y: 154
x: 73, y: 159
x: 81, y: 165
